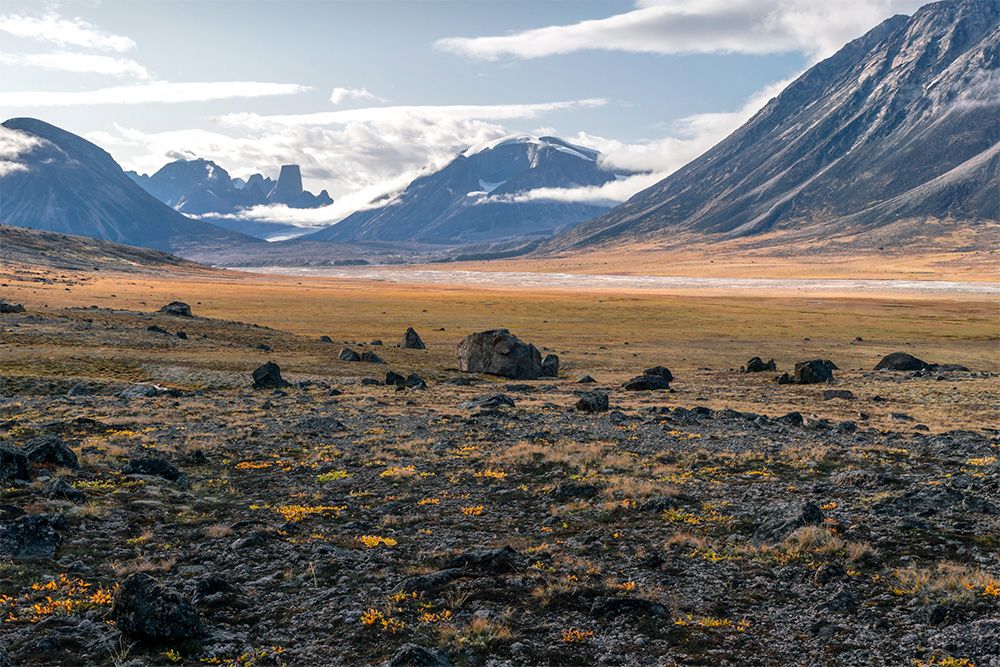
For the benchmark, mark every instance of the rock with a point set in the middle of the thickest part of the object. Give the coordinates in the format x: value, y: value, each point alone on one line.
x: 13, y: 464
x: 498, y: 352
x: 263, y: 347
x: 647, y: 383
x: 791, y: 418
x: 593, y: 401
x: 504, y: 560
x: 50, y: 450
x: 140, y: 391
x: 411, y: 655
x: 488, y: 402
x: 949, y: 368
x: 573, y: 491
x: 376, y: 343
x: 369, y: 382
x: 608, y: 608
x: 30, y: 536
x: 785, y: 519
x: 784, y: 378
x: 152, y: 466
x: 830, y: 394
x: 757, y: 365
x: 158, y: 330
x: 8, y: 307
x: 658, y: 504
x: 347, y: 354
x: 412, y: 341
x: 177, y: 309
x: 661, y: 372
x: 586, y: 379
x: 394, y: 379
x: 814, y: 371
x: 268, y: 376
x: 371, y: 358
x: 901, y: 361
x: 550, y: 366
x: 414, y: 381
x: 79, y: 389
x: 146, y: 610
x: 181, y: 335
x: 432, y: 582
x: 60, y: 489
x: 325, y: 339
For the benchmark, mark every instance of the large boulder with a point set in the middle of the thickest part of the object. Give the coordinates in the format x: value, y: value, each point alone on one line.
x: 411, y: 341
x: 757, y: 365
x: 13, y: 464
x: 177, y: 309
x: 499, y: 352
x: 50, y: 450
x: 593, y: 401
x: 347, y: 354
x: 550, y: 366
x: 901, y: 361
x: 268, y: 376
x: 8, y: 307
x: 153, y: 466
x: 814, y: 371
x: 30, y: 536
x: 652, y: 379
x: 371, y: 357
x: 146, y: 610
x: 785, y: 519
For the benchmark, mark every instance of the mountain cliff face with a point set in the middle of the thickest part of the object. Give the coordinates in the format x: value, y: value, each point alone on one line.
x: 901, y: 123
x: 63, y: 183
x: 479, y: 196
x: 201, y: 187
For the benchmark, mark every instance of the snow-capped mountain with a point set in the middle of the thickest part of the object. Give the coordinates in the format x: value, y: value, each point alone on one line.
x: 63, y: 183
x: 200, y: 187
x: 484, y: 194
x: 900, y: 125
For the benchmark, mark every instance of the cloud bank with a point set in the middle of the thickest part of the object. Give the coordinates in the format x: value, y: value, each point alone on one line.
x: 341, y: 95
x: 52, y: 28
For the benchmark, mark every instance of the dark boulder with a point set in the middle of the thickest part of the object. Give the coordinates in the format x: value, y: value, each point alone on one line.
x: 158, y: 330
x: 814, y: 371
x: 50, y: 450
x: 573, y: 491
x: 325, y: 339
x: 647, y: 383
x: 347, y: 354
x: 411, y: 655
x: 504, y: 560
x: 586, y: 379
x: 152, y: 466
x: 59, y: 489
x: 831, y: 394
x: 8, y: 307
x: 488, y: 402
x: 901, y: 361
x: 30, y: 536
x: 371, y: 357
x: 550, y: 366
x: 609, y: 608
x: 394, y: 379
x: 414, y: 381
x: 13, y: 464
x: 785, y: 519
x: 757, y: 365
x: 412, y: 341
x: 146, y: 610
x: 498, y: 352
x: 661, y: 372
x: 784, y: 378
x: 268, y: 376
x: 593, y: 401
x: 177, y: 309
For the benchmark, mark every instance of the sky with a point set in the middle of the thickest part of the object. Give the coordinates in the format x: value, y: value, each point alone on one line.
x: 367, y: 95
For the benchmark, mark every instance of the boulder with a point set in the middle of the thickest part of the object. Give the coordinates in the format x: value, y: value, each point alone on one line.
x: 757, y: 365
x: 901, y: 361
x: 647, y: 383
x: 152, y: 466
x: 785, y: 519
x: 59, y: 489
x: 814, y: 371
x: 586, y: 379
x: 660, y: 371
x: 498, y: 352
x: 371, y: 358
x: 52, y: 451
x: 30, y: 536
x: 325, y: 339
x: 550, y: 366
x: 412, y: 341
x: 831, y: 394
x: 158, y: 330
x: 394, y: 379
x: 146, y: 610
x: 347, y: 354
x: 177, y: 309
x: 13, y: 464
x: 504, y: 560
x: 593, y: 401
x: 489, y: 402
x: 268, y: 376
x: 140, y: 391
x: 8, y: 307
x: 414, y: 381
x: 411, y: 655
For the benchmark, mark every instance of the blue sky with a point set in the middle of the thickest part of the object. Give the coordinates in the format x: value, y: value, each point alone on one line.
x: 365, y: 95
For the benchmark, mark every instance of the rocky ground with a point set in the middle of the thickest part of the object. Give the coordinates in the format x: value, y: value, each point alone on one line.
x: 157, y: 509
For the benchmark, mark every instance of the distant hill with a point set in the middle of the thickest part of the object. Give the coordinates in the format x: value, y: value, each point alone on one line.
x: 900, y: 124
x: 64, y: 183
x: 475, y: 197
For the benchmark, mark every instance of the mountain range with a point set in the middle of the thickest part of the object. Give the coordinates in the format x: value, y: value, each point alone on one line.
x: 899, y: 124
x: 482, y: 195
x: 63, y: 183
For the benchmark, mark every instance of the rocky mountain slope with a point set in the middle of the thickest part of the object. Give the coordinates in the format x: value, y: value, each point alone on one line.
x: 63, y: 183
x: 899, y: 124
x: 479, y: 196
x: 199, y: 186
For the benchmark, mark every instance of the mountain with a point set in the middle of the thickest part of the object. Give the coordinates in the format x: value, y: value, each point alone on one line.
x: 900, y: 124
x: 63, y: 183
x: 479, y: 196
x: 199, y: 187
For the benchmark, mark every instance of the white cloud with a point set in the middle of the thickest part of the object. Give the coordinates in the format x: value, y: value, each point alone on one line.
x: 156, y: 91
x: 68, y: 61
x: 341, y: 95
x: 696, y: 26
x: 410, y: 114
x: 55, y: 29
x: 13, y: 144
